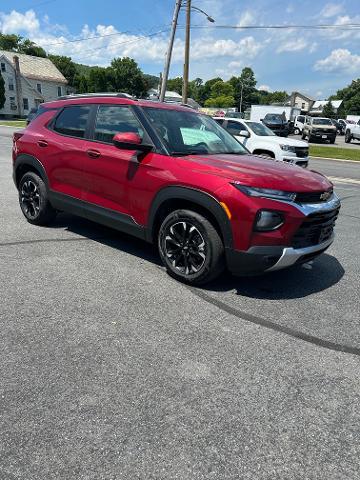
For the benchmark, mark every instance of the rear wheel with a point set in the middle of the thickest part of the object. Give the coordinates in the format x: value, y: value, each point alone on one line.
x: 33, y: 200
x: 296, y: 131
x: 190, y: 247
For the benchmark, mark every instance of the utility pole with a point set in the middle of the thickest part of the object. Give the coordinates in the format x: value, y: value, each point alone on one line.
x: 170, y: 49
x: 187, y: 53
x: 241, y: 97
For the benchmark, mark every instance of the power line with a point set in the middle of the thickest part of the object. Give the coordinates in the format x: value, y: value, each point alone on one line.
x: 348, y: 26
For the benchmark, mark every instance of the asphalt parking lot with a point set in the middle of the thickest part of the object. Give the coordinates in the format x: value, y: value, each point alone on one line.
x: 339, y: 142
x: 112, y: 370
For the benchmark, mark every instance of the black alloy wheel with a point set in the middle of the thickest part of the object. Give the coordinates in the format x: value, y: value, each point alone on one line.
x: 33, y: 200
x: 190, y: 247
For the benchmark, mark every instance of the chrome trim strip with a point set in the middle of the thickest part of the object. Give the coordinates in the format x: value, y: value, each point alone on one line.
x: 291, y: 255
x: 309, y: 208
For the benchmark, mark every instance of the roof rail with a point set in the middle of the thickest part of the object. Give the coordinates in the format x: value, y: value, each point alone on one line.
x: 171, y: 102
x: 91, y: 95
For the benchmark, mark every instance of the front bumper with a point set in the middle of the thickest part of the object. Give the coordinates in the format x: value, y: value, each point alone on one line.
x: 259, y: 260
x: 301, y: 161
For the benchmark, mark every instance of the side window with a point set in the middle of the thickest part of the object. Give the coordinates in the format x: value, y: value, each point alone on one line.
x: 301, y: 119
x: 234, y: 127
x: 113, y: 119
x: 3, y: 67
x: 220, y: 121
x: 72, y: 121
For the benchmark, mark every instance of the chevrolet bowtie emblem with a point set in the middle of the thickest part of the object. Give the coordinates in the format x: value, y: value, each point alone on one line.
x: 325, y: 196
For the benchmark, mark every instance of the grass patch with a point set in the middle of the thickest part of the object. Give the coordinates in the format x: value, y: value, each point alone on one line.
x: 333, y: 152
x: 13, y: 123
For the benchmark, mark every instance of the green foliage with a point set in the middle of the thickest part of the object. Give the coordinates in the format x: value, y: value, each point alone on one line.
x: 99, y: 80
x: 66, y: 66
x: 2, y: 92
x: 18, y: 44
x: 268, y: 98
x: 222, y: 89
x: 222, y: 101
x: 128, y: 77
x: 151, y: 80
x: 175, y: 85
x: 351, y: 99
x: 328, y: 110
x: 245, y: 84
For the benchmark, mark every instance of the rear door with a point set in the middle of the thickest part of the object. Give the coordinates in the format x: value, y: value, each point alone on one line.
x: 64, y: 145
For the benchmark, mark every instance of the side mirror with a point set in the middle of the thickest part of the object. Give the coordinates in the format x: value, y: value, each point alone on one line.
x: 131, y: 141
x: 244, y: 133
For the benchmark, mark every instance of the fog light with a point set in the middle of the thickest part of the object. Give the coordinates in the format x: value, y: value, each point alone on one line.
x: 268, y: 220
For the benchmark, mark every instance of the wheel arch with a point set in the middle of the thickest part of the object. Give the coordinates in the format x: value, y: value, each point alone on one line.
x: 175, y: 198
x: 27, y: 163
x: 259, y: 151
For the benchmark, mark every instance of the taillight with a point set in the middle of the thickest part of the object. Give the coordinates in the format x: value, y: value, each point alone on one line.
x: 17, y: 136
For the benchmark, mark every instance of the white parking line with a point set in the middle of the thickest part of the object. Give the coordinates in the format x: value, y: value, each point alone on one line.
x: 352, y: 181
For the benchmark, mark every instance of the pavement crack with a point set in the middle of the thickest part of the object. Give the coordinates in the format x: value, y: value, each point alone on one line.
x: 338, y: 347
x: 50, y: 240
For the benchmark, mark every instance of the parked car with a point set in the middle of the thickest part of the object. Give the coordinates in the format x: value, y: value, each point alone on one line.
x: 339, y: 128
x: 345, y: 123
x: 352, y: 132
x: 277, y: 123
x: 172, y: 176
x: 260, y: 140
x: 319, y: 129
x: 299, y: 124
x: 234, y: 115
x: 31, y: 116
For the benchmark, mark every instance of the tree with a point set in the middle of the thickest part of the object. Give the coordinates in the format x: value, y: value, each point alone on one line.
x: 18, y: 44
x: 98, y: 80
x: 66, y: 66
x: 244, y: 87
x: 328, y: 110
x: 222, y: 89
x: 175, y: 85
x: 351, y: 98
x: 128, y: 77
x: 30, y: 48
x: 10, y: 42
x: 2, y: 92
x: 222, y: 102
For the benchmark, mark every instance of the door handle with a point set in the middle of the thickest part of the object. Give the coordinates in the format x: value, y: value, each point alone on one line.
x: 93, y: 153
x: 42, y: 143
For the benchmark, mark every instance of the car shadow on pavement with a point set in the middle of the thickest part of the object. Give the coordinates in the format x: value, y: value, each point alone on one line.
x: 295, y: 282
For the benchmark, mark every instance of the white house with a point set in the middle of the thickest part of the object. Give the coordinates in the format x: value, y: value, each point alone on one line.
x: 318, y: 106
x: 300, y: 100
x: 29, y: 81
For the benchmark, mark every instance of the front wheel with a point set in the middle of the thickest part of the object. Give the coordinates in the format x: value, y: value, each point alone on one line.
x: 190, y: 247
x: 347, y: 137
x: 33, y: 200
x: 296, y: 131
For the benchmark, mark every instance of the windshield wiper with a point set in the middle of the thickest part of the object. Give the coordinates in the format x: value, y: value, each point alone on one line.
x: 185, y: 154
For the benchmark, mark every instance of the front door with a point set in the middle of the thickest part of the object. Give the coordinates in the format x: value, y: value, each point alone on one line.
x: 109, y: 172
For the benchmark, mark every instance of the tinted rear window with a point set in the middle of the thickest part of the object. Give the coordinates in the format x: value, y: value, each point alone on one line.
x: 72, y: 121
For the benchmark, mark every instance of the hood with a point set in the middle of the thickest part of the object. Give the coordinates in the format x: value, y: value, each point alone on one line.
x: 287, y: 141
x: 255, y: 171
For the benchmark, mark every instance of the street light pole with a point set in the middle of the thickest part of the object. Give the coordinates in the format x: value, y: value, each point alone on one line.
x: 187, y: 53
x: 170, y: 49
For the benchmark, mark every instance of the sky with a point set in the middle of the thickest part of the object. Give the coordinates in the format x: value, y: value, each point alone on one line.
x: 314, y: 62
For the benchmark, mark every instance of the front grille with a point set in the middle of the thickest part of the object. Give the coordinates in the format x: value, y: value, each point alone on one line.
x: 302, y: 152
x: 314, y: 197
x: 317, y: 228
x: 323, y: 131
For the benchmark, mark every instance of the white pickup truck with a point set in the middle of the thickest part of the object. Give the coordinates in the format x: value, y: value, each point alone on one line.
x: 260, y: 140
x: 352, y: 132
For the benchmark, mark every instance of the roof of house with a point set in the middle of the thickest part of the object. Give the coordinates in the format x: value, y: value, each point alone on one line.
x: 302, y: 95
x: 36, y: 68
x: 322, y: 103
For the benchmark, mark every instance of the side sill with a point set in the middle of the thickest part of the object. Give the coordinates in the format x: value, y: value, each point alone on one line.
x: 109, y: 218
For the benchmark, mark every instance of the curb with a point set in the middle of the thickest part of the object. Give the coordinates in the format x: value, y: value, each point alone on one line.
x: 336, y: 159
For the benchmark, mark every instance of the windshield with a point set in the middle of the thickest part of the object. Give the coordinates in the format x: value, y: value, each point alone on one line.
x: 189, y: 133
x: 273, y: 118
x: 322, y: 121
x: 260, y: 129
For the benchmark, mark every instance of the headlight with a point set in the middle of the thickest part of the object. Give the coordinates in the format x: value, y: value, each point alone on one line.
x: 287, y: 148
x: 268, y: 220
x: 266, y: 193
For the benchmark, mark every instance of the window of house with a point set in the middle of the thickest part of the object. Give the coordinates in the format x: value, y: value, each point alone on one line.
x: 3, y: 67
x: 11, y: 84
x: 303, y: 106
x: 26, y: 103
x: 38, y: 87
x: 72, y: 121
x: 59, y: 91
x: 113, y: 119
x: 12, y: 103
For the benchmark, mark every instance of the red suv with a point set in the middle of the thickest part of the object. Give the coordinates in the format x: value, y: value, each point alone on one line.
x: 170, y: 175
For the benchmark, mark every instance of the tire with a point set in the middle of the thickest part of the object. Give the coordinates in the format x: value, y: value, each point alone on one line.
x: 34, y: 201
x: 311, y: 139
x: 296, y: 131
x: 332, y: 140
x: 348, y: 137
x: 190, y: 247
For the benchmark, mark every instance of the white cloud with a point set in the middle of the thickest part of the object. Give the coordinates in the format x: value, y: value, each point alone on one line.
x: 264, y: 88
x: 16, y: 22
x: 293, y: 45
x: 340, y: 60
x: 246, y: 19
x: 331, y: 10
